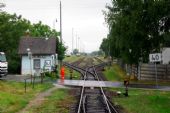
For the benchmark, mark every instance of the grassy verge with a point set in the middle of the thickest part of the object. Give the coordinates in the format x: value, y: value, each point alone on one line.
x: 144, y: 101
x: 58, y: 102
x: 72, y: 58
x: 114, y: 73
x: 13, y: 97
x: 102, y: 58
x: 76, y: 75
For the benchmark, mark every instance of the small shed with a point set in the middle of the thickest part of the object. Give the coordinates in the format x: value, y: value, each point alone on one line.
x: 37, y: 54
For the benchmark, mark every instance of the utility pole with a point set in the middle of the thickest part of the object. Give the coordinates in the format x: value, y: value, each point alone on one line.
x: 72, y: 40
x: 76, y: 41
x: 1, y: 6
x: 79, y: 44
x: 60, y: 29
x: 60, y: 23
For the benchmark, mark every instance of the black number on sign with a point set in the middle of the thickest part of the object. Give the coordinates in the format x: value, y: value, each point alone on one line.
x: 157, y: 57
x: 153, y: 57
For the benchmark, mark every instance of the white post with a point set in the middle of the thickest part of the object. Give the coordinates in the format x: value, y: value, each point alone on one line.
x: 156, y: 75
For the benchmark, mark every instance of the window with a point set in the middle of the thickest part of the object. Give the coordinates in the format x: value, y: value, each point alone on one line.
x: 36, y: 63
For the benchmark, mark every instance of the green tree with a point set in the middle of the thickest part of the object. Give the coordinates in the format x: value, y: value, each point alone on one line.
x: 75, y: 51
x: 12, y: 27
x: 40, y: 30
x: 140, y: 26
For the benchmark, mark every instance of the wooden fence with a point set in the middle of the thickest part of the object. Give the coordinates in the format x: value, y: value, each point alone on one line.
x: 148, y: 72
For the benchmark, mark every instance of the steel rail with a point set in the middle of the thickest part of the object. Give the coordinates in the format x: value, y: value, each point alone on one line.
x: 77, y: 68
x: 112, y: 106
x: 83, y: 98
x: 104, y: 96
x: 82, y: 92
x: 84, y: 108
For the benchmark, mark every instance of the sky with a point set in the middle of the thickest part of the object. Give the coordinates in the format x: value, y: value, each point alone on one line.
x: 82, y: 20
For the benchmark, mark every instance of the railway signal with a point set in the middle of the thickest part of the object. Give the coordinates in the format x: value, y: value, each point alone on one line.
x: 71, y: 74
x: 126, y: 83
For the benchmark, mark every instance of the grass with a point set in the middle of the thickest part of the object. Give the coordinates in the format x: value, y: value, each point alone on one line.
x: 58, y: 102
x: 139, y: 100
x: 76, y: 75
x: 144, y: 101
x: 13, y: 97
x: 114, y: 73
x: 102, y: 58
x: 72, y: 58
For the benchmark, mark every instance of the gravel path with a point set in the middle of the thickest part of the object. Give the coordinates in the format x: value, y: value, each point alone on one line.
x: 38, y: 100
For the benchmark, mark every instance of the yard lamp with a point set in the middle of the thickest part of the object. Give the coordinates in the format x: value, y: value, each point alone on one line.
x: 30, y: 57
x: 130, y: 50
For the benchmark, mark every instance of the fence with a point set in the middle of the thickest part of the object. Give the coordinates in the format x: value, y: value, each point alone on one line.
x: 147, y: 71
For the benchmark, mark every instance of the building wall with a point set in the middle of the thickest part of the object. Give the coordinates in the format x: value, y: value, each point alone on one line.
x: 166, y: 55
x: 27, y: 66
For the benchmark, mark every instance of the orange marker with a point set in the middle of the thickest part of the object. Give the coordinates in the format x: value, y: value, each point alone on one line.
x: 62, y: 72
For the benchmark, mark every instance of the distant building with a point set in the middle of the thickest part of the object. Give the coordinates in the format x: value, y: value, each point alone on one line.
x: 37, y: 54
x: 166, y: 55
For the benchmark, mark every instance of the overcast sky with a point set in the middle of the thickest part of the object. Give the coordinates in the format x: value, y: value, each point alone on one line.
x: 84, y: 16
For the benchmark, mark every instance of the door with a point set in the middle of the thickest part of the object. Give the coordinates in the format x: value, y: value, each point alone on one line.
x: 37, y: 64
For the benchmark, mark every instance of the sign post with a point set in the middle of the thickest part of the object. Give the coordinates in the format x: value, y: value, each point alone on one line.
x: 156, y: 57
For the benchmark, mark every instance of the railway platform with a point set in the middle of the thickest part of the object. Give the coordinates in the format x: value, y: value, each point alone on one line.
x: 108, y: 84
x: 89, y: 83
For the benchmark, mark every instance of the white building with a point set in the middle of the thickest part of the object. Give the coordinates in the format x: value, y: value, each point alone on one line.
x: 37, y: 54
x: 166, y: 55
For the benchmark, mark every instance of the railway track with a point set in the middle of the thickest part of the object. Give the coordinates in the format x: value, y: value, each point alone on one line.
x: 94, y: 100
x: 91, y: 100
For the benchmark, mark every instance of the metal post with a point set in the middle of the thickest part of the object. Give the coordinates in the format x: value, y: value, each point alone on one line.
x: 30, y: 57
x: 31, y: 70
x: 156, y: 75
x: 72, y: 40
x: 60, y: 22
x: 41, y: 78
x: 25, y: 85
x: 33, y: 82
x: 76, y: 41
x: 60, y: 29
x: 78, y: 44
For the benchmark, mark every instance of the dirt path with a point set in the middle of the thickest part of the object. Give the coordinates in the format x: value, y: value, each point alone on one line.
x: 38, y: 100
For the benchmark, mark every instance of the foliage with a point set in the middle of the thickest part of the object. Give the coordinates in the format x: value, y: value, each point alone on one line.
x: 114, y: 73
x: 75, y: 51
x: 40, y: 30
x: 61, y: 51
x: 52, y: 75
x: 141, y: 26
x: 12, y: 28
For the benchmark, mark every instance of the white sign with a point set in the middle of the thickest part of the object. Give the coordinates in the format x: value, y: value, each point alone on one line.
x: 156, y: 57
x: 47, y: 63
